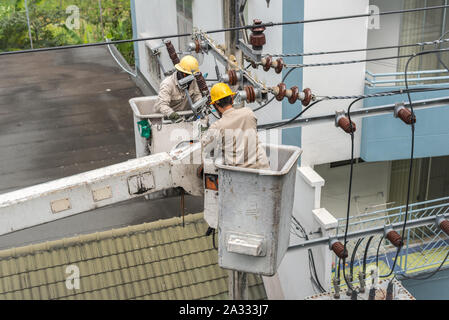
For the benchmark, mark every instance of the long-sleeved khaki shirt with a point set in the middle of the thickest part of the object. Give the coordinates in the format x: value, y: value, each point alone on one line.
x: 172, y: 98
x: 235, y: 137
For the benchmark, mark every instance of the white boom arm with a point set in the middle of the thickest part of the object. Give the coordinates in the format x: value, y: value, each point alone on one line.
x: 66, y: 197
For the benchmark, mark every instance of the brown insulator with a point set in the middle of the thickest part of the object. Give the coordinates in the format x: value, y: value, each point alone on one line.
x: 172, y: 52
x: 444, y: 225
x: 279, y: 66
x: 395, y: 238
x: 339, y: 249
x: 233, y: 79
x: 197, y: 46
x: 257, y: 37
x: 202, y: 85
x: 266, y: 63
x: 406, y: 115
x: 295, y: 94
x: 250, y: 94
x: 345, y: 124
x: 307, y: 97
x: 282, y: 91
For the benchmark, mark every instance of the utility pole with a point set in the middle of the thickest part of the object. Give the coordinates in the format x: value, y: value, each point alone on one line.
x: 238, y: 285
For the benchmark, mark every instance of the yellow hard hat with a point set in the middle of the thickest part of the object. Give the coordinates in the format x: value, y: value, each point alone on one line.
x: 188, y: 64
x: 220, y: 91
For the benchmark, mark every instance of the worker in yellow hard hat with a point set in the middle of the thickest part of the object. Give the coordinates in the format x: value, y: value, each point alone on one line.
x: 171, y: 97
x: 235, y: 133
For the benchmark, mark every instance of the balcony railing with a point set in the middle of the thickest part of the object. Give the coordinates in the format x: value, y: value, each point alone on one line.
x: 425, y: 247
x: 414, y: 78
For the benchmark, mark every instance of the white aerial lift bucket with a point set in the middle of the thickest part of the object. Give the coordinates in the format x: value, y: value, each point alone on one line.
x: 160, y: 135
x: 154, y: 135
x: 255, y: 210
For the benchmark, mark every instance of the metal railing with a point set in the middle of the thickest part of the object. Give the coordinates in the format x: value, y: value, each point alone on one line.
x: 425, y: 247
x: 414, y: 78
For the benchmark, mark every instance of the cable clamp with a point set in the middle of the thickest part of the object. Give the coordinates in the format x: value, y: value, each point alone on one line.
x: 338, y: 116
x: 332, y: 241
x: 387, y: 229
x: 398, y: 107
x: 438, y: 221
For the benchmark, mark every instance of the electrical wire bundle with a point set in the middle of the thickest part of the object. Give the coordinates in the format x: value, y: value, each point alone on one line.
x: 312, y: 268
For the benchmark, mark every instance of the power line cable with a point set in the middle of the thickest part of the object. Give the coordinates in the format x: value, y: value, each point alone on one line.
x: 359, y: 97
x: 418, y: 44
x: 437, y: 51
x: 246, y: 27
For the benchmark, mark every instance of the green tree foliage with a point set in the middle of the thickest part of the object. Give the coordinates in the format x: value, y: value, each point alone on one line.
x: 48, y: 24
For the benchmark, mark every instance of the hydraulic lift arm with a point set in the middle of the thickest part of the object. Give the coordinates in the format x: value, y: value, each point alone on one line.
x: 90, y: 190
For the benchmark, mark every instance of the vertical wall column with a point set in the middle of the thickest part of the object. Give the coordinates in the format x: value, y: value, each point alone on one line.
x: 292, y: 42
x: 134, y: 23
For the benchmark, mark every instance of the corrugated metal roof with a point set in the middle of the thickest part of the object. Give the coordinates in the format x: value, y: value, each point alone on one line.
x: 158, y: 260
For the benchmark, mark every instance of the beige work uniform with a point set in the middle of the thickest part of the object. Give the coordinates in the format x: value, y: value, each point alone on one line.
x: 235, y: 137
x: 172, y: 98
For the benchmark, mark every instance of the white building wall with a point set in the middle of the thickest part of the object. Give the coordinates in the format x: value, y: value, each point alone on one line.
x: 370, y: 187
x: 325, y: 143
x: 208, y: 15
x: 387, y: 35
x: 154, y: 18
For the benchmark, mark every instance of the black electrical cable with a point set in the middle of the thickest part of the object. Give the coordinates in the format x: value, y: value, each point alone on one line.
x: 312, y: 266
x: 418, y: 44
x: 437, y: 51
x: 327, y: 64
x: 296, y: 117
x: 246, y: 27
x: 374, y: 95
x: 365, y: 254
x: 412, y: 149
x: 354, y: 252
x: 377, y: 252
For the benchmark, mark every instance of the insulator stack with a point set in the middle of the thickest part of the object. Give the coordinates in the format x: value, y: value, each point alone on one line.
x: 406, y: 115
x: 395, y: 238
x: 172, y: 52
x: 293, y: 94
x: 269, y: 63
x: 197, y: 46
x: 401, y: 112
x: 250, y: 94
x: 266, y: 63
x: 233, y: 77
x: 257, y: 37
x: 354, y: 295
x: 281, y: 91
x: 339, y: 249
x: 344, y: 123
x: 444, y: 225
x: 202, y: 85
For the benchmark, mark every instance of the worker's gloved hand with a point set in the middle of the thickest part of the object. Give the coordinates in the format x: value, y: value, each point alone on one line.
x: 174, y: 116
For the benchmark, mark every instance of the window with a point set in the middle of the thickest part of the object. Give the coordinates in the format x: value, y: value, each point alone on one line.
x: 185, y: 21
x: 423, y: 26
